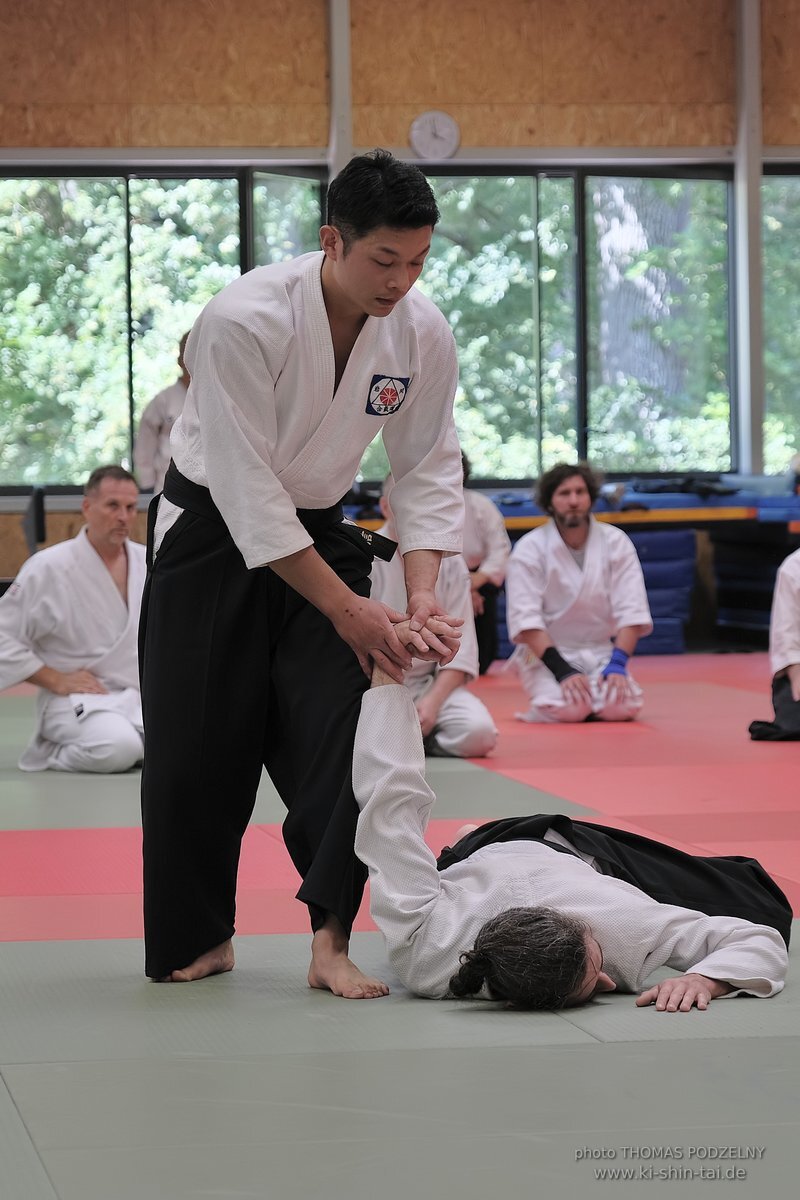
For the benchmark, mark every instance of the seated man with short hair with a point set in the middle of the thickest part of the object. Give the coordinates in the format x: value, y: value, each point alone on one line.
x: 542, y: 911
x: 69, y: 624
x: 576, y: 606
x: 784, y: 657
x: 455, y: 723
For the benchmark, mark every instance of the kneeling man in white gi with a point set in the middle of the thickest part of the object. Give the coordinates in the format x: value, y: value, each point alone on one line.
x: 69, y: 624
x: 455, y: 723
x: 576, y: 606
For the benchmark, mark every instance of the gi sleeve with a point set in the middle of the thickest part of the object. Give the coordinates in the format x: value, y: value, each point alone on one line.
x: 234, y: 394
x: 753, y: 958
x: 26, y: 614
x: 525, y: 587
x: 395, y: 803
x: 424, y: 454
x: 627, y: 589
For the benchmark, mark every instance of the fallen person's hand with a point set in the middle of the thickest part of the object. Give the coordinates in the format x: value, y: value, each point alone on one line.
x: 422, y: 608
x: 437, y: 641
x: 683, y: 993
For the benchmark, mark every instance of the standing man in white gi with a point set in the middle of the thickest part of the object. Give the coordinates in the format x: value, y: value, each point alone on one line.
x: 68, y: 624
x: 454, y: 722
x: 784, y: 657
x: 257, y: 629
x: 486, y: 550
x: 151, y: 451
x: 576, y: 606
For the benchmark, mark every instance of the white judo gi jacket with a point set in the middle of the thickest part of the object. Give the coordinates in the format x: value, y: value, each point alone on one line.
x: 263, y: 429
x: 581, y: 609
x: 64, y: 611
x: 429, y: 918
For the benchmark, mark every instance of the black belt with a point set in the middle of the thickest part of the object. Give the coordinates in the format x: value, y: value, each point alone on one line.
x: 378, y: 545
x: 197, y: 499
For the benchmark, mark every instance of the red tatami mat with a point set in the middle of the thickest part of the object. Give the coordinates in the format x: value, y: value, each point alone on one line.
x: 66, y: 884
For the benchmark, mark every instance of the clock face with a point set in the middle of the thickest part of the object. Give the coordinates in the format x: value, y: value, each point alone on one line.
x: 434, y: 134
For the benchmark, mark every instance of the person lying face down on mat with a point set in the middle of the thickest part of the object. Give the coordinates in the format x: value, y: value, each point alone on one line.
x: 544, y: 912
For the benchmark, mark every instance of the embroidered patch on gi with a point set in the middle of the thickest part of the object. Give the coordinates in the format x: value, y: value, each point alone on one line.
x: 386, y: 394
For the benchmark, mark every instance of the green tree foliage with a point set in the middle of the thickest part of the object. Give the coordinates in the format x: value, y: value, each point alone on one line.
x: 659, y: 393
x: 63, y: 360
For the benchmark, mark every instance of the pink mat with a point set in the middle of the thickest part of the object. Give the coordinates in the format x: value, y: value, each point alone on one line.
x: 86, y: 883
x: 686, y: 773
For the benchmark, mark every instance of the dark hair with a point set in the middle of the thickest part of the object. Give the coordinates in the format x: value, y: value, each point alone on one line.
x: 466, y: 466
x: 111, y: 472
x: 375, y: 190
x: 531, y: 957
x: 557, y: 475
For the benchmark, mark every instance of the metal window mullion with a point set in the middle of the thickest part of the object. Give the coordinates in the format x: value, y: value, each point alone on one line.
x: 129, y: 301
x: 581, y: 318
x: 247, y: 247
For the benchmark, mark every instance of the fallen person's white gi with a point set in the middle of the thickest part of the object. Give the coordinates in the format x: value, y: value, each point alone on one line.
x: 429, y: 917
x: 64, y: 611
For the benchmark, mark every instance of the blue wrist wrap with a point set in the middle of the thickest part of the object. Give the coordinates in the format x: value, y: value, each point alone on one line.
x: 617, y: 663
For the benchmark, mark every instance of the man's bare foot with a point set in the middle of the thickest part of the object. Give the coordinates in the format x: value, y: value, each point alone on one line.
x: 213, y: 962
x: 332, y: 969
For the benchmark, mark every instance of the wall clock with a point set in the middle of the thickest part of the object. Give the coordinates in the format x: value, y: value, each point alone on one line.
x: 434, y: 134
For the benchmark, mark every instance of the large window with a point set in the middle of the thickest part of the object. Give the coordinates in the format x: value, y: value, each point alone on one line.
x: 591, y: 312
x: 659, y: 396
x: 780, y: 198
